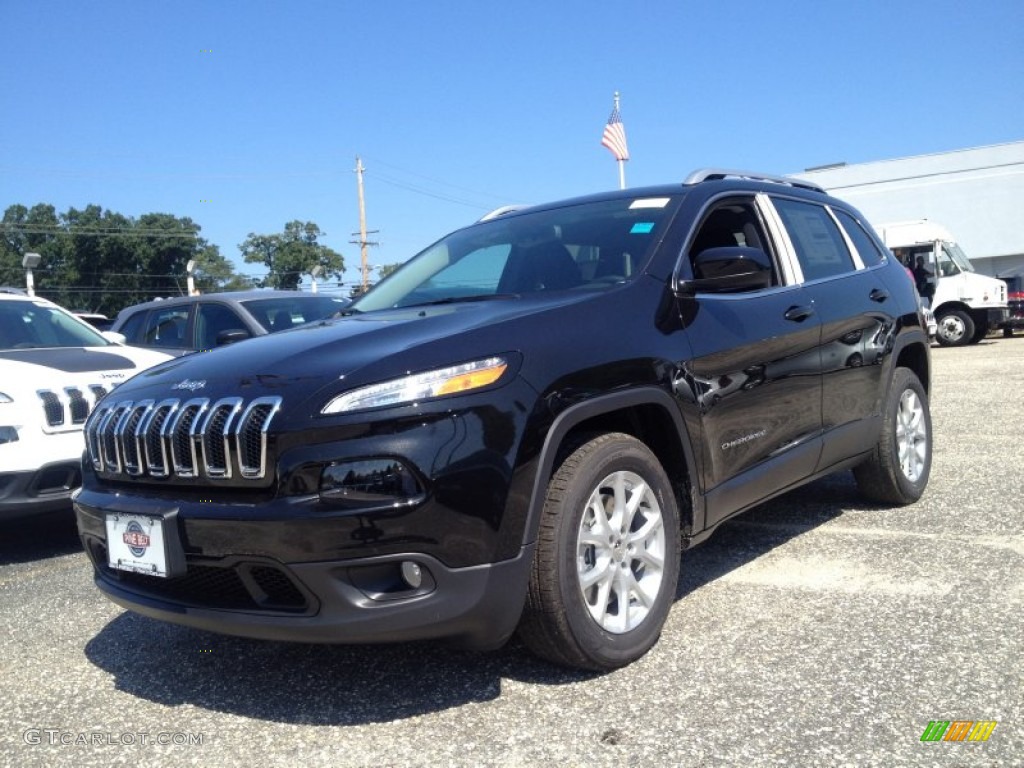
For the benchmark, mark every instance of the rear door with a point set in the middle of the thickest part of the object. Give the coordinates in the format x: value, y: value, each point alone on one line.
x: 164, y: 328
x: 841, y: 271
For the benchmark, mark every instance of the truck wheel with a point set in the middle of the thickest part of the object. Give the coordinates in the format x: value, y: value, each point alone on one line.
x: 607, y: 561
x: 956, y: 328
x: 897, y: 470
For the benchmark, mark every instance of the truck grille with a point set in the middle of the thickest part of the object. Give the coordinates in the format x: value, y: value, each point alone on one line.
x: 68, y: 408
x: 221, y: 440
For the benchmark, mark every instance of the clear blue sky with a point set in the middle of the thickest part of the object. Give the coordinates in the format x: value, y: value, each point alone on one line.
x: 246, y: 115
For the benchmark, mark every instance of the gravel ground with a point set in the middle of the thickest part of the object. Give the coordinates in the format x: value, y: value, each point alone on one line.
x: 815, y: 630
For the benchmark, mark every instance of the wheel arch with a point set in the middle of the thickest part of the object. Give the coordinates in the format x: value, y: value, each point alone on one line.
x: 915, y: 356
x: 648, y: 414
x: 951, y: 306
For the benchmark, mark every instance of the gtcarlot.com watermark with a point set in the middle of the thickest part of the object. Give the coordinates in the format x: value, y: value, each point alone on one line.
x: 54, y: 737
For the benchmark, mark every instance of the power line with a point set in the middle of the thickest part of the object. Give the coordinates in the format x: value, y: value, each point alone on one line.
x: 97, y: 231
x: 433, y: 180
x: 421, y: 191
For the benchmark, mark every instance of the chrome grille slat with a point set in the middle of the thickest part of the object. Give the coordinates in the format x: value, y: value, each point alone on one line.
x: 251, y: 436
x: 150, y: 435
x: 215, y: 434
x: 222, y: 440
x: 110, y: 449
x: 183, y: 432
x: 125, y: 434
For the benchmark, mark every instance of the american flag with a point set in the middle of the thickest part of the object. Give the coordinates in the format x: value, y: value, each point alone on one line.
x: 615, y: 135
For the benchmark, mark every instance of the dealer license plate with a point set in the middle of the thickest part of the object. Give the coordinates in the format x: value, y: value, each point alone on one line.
x: 136, y: 543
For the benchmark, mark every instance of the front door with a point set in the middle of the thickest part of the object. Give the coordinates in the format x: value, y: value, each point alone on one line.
x: 755, y: 372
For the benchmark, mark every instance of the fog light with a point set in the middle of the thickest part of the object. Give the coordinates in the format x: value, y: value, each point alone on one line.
x: 412, y: 574
x: 8, y: 435
x: 370, y: 483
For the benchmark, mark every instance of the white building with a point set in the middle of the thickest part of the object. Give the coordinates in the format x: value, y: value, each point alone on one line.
x: 977, y: 194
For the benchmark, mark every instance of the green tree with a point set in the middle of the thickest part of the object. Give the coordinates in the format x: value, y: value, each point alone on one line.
x: 102, y: 261
x: 291, y: 254
x: 386, y: 269
x: 24, y: 230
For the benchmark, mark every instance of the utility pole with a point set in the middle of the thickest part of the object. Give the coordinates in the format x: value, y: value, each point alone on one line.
x: 362, y: 242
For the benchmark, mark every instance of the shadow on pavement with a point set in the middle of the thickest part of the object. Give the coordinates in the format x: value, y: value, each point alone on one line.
x: 39, y: 536
x: 349, y: 685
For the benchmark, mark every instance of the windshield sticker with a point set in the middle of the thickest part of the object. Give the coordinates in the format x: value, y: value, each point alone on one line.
x: 650, y: 202
x: 642, y: 228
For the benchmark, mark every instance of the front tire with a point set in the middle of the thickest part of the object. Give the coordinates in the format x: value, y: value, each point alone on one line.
x: 956, y: 328
x: 897, y: 470
x: 607, y: 561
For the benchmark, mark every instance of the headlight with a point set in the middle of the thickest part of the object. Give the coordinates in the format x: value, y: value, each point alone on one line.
x: 5, y: 398
x: 421, y: 386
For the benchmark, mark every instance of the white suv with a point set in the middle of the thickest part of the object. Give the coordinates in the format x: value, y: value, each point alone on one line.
x: 53, y: 370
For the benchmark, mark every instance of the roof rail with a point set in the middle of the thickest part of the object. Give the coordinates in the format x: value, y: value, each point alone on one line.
x: 712, y: 174
x: 500, y: 212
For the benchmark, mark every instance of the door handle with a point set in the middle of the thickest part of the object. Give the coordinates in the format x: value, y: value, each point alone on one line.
x: 878, y: 295
x: 798, y: 314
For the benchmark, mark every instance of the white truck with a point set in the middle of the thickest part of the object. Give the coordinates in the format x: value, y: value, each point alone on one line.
x: 966, y: 305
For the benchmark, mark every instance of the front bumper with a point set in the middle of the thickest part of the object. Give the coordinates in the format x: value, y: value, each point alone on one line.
x: 38, y: 491
x: 358, y: 600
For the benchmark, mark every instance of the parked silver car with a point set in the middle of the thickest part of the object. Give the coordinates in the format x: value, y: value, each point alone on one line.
x: 186, y: 324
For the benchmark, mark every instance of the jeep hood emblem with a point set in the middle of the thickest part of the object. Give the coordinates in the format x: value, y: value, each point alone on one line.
x: 190, y: 384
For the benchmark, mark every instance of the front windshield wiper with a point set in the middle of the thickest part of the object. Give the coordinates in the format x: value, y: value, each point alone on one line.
x: 460, y: 299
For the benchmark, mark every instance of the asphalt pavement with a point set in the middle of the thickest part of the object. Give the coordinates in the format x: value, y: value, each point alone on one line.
x: 815, y: 630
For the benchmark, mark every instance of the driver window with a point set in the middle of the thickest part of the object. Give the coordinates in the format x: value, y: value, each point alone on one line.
x: 947, y: 267
x: 730, y: 223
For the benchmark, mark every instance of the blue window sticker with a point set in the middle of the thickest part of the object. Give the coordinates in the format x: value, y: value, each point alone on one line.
x: 642, y: 228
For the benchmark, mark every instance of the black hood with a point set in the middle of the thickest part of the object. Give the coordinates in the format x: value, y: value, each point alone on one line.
x: 71, y: 359
x: 394, y: 342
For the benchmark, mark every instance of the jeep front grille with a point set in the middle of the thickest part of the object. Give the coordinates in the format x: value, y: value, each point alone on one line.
x: 68, y: 408
x: 220, y: 440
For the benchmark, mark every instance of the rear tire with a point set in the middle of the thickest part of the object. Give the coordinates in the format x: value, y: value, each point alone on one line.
x: 607, y: 562
x: 899, y: 465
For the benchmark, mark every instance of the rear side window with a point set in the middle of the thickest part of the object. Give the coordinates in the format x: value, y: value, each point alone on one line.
x: 866, y: 247
x: 165, y: 327
x: 819, y: 244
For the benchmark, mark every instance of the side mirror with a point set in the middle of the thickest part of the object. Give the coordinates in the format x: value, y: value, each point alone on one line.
x: 231, y: 336
x: 729, y: 269
x: 114, y: 336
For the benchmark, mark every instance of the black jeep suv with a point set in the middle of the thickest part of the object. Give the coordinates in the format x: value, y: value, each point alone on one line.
x: 520, y: 428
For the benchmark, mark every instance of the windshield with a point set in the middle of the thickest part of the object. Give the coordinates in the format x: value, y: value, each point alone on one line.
x: 281, y: 313
x: 588, y: 246
x: 951, y: 253
x: 35, y: 325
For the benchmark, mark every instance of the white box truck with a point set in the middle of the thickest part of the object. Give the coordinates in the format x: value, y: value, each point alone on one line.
x: 966, y: 305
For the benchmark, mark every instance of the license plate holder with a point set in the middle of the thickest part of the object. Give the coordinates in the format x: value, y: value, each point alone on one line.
x: 146, y: 544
